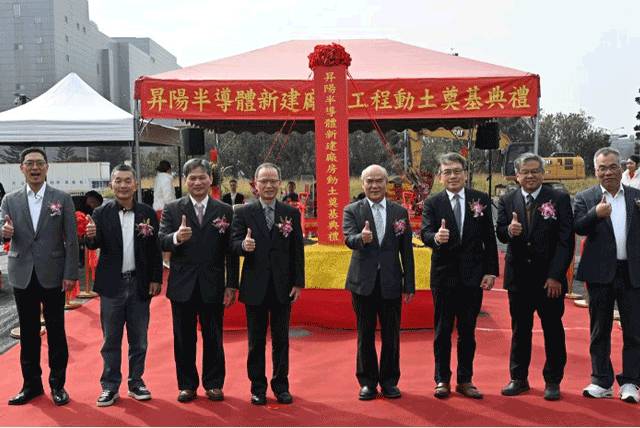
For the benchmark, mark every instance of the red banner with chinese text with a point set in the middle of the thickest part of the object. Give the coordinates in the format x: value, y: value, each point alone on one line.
x: 381, y: 99
x: 332, y: 151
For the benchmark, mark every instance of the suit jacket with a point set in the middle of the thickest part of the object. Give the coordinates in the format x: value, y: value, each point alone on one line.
x: 394, y: 256
x: 205, y: 259
x: 276, y: 256
x: 598, y: 261
x: 460, y: 262
x: 545, y: 247
x: 108, y: 238
x: 226, y: 198
x: 51, y: 249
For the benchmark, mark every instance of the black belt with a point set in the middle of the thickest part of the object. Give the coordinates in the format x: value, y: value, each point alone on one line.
x: 128, y: 274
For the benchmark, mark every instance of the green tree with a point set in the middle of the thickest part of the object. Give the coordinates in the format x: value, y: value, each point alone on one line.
x: 66, y: 154
x: 11, y: 154
x: 112, y: 154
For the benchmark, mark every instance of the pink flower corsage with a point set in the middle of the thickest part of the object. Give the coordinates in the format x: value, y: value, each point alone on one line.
x: 55, y: 208
x: 145, y: 229
x: 221, y: 224
x: 285, y: 226
x: 477, y: 208
x: 548, y: 210
x: 399, y: 226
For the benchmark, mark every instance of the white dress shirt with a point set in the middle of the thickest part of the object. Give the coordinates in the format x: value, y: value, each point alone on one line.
x: 383, y: 203
x: 35, y: 204
x: 533, y: 194
x: 618, y: 220
x: 127, y: 220
x: 204, y: 203
x: 463, y: 209
x: 631, y: 181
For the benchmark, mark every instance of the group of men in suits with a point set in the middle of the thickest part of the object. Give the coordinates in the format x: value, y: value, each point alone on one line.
x: 206, y: 238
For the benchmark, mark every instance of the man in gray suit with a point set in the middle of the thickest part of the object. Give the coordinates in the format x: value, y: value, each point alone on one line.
x: 43, y: 263
x: 608, y: 214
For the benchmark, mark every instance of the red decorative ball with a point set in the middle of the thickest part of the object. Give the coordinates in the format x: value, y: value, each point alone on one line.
x: 328, y: 55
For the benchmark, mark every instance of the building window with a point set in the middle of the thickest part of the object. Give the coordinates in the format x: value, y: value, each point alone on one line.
x: 78, y: 25
x: 19, y: 87
x: 67, y: 57
x: 39, y: 40
x: 98, y: 68
x: 66, y: 19
x: 84, y: 30
x: 16, y: 10
x: 37, y: 20
x: 18, y: 46
x: 66, y: 38
x: 152, y: 59
x: 40, y: 60
x: 41, y: 80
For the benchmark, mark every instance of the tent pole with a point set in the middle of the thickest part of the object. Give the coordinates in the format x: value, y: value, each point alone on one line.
x: 536, y: 135
x: 136, y: 144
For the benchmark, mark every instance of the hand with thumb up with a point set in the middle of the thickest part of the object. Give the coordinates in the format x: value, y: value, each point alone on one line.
x: 91, y: 228
x: 442, y: 236
x: 603, y: 209
x: 7, y: 228
x: 515, y: 227
x: 249, y: 244
x: 367, y: 234
x: 184, y: 232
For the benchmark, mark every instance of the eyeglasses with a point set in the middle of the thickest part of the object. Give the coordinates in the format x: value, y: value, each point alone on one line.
x: 613, y: 168
x: 268, y: 181
x: 449, y: 172
x: 530, y: 171
x: 31, y: 164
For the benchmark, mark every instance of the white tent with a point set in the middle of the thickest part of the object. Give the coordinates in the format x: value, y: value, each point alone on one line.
x: 73, y: 113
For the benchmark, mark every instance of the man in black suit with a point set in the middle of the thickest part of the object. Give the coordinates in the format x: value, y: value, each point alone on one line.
x: 457, y: 224
x: 380, y: 274
x: 291, y: 195
x: 128, y: 275
x: 608, y: 215
x: 202, y: 281
x: 536, y: 222
x: 232, y: 198
x: 268, y: 234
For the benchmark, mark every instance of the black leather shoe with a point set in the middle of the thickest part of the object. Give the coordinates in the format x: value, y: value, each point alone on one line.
x: 215, y: 394
x: 24, y: 396
x: 367, y: 393
x: 391, y: 392
x: 60, y: 396
x: 515, y: 387
x: 443, y: 390
x: 187, y: 395
x: 259, y: 399
x: 552, y: 392
x: 284, y: 398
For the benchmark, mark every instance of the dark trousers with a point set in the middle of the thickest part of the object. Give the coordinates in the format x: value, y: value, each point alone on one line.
x: 601, y: 302
x: 127, y: 308
x: 185, y: 336
x: 462, y: 305
x: 271, y: 311
x: 368, y: 310
x: 522, y: 305
x: 28, y: 302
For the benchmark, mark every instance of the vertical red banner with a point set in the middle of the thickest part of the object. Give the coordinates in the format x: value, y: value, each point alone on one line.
x: 332, y: 150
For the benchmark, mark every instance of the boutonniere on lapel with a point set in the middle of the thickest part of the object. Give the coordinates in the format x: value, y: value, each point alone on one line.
x: 285, y: 226
x: 55, y: 208
x: 221, y: 224
x: 548, y: 210
x: 399, y: 226
x: 145, y: 229
x: 477, y: 208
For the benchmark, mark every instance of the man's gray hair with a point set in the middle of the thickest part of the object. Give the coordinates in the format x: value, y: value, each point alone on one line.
x: 265, y: 165
x: 366, y: 171
x: 123, y: 167
x: 196, y: 163
x: 605, y: 151
x: 527, y: 157
x: 452, y: 157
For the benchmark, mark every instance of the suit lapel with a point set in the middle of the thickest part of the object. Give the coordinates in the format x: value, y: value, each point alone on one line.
x: 388, y: 229
x: 451, y: 218
x: 189, y: 210
x: 367, y: 215
x: 115, y: 217
x: 597, y: 199
x: 26, y: 211
x: 535, y: 215
x: 631, y: 206
x: 468, y: 214
x: 258, y: 216
x: 210, y: 212
x: 44, y: 210
x: 518, y: 207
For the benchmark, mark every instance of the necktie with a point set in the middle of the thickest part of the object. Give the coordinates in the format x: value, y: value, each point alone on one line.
x: 457, y: 212
x: 529, y: 207
x: 377, y: 217
x: 268, y: 216
x: 200, y: 213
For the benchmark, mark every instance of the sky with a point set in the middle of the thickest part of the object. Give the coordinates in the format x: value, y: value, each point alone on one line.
x: 587, y: 53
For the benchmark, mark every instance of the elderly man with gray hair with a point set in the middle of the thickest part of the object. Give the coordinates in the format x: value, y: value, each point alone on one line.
x: 608, y: 214
x: 535, y: 221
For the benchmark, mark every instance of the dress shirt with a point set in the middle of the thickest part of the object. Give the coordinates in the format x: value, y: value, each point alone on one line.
x: 35, y: 204
x: 618, y: 220
x: 127, y: 220
x: 463, y: 208
x: 204, y: 203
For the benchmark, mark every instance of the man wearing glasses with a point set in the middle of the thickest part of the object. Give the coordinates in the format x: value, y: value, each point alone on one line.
x: 268, y: 234
x: 40, y: 221
x: 608, y: 214
x: 536, y: 222
x: 457, y: 224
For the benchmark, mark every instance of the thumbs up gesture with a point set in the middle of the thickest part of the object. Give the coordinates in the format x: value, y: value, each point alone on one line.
x: 367, y: 234
x: 249, y: 244
x: 7, y: 228
x: 442, y: 236
x: 603, y: 209
x: 184, y: 232
x: 91, y: 228
x: 515, y: 227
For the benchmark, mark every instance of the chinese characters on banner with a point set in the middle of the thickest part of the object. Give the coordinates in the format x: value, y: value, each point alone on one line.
x: 498, y: 97
x: 332, y: 150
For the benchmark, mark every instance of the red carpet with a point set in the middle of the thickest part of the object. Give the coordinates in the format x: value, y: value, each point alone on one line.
x: 322, y: 381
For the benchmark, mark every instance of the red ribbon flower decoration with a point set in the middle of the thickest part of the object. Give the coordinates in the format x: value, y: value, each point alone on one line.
x: 328, y: 55
x: 81, y: 222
